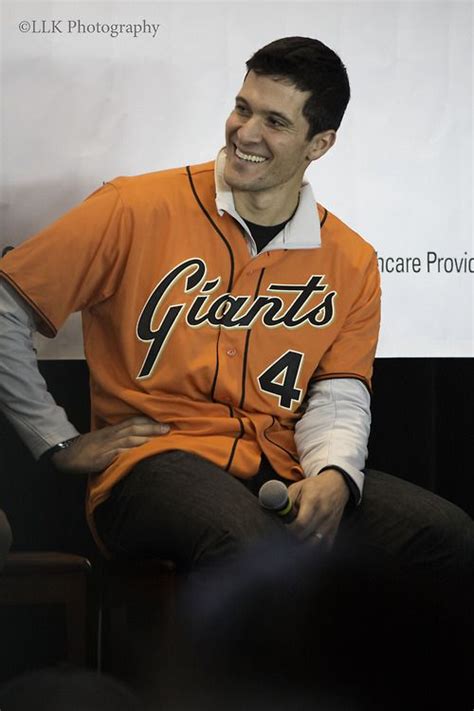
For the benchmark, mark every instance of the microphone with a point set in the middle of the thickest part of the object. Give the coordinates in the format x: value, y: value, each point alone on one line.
x: 273, y: 496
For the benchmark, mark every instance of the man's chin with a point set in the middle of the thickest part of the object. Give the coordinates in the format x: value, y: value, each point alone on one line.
x: 238, y: 182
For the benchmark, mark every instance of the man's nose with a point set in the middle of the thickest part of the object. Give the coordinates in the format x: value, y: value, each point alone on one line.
x: 250, y: 131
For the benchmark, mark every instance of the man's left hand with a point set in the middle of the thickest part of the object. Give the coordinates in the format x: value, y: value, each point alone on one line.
x: 319, y: 502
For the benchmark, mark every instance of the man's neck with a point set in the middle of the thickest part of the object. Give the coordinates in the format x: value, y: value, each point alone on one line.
x: 265, y: 208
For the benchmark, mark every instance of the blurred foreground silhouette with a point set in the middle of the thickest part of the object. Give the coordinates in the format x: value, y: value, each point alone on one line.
x: 288, y: 628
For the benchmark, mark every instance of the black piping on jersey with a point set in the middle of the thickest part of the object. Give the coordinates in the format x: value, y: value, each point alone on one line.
x: 324, y: 218
x: 216, y: 372
x: 214, y: 382
x: 229, y: 285
x: 247, y: 340
x: 295, y: 459
x: 219, y: 232
x: 234, y: 446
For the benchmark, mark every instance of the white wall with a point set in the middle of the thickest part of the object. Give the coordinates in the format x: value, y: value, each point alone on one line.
x: 82, y: 107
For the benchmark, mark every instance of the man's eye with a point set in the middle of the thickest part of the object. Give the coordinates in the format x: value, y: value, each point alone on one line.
x: 241, y: 109
x: 276, y: 123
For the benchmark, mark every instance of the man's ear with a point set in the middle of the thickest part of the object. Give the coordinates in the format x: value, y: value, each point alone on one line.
x: 321, y: 143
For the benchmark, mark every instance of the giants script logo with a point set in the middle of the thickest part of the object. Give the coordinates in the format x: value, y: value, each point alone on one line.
x: 226, y: 310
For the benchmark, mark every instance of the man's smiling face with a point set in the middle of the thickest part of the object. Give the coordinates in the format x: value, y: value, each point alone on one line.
x: 266, y: 137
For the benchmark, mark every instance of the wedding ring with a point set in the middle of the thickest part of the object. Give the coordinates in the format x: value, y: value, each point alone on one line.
x: 319, y: 536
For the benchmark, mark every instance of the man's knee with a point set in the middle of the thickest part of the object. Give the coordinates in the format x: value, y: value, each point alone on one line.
x: 412, y: 523
x: 452, y: 531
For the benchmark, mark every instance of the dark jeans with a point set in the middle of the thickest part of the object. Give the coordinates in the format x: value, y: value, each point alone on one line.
x: 179, y: 506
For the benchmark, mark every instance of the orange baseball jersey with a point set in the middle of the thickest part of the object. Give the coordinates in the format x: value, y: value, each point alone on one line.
x: 183, y: 325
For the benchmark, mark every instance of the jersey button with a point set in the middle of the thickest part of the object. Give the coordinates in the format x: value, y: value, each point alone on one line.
x: 231, y: 352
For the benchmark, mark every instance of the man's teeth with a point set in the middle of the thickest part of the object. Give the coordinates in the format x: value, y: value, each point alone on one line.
x: 249, y: 156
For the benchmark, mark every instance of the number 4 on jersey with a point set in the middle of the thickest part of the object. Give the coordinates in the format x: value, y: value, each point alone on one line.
x: 280, y: 378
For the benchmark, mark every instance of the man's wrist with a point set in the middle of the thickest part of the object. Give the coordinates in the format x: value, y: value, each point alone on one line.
x: 48, y: 455
x: 354, y: 493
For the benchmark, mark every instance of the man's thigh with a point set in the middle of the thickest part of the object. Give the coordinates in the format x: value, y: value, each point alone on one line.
x: 412, y: 526
x: 180, y: 506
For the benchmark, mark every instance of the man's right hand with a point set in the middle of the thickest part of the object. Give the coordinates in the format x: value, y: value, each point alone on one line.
x: 94, y: 451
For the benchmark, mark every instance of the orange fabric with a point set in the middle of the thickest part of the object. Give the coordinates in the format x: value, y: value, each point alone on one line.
x: 146, y: 266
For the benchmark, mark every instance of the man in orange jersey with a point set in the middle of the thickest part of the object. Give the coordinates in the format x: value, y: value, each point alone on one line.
x: 230, y: 325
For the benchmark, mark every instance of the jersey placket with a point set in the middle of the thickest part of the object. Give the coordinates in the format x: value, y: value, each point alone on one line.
x: 234, y: 344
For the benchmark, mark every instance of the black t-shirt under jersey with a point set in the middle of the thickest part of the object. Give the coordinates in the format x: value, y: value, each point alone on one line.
x: 263, y: 234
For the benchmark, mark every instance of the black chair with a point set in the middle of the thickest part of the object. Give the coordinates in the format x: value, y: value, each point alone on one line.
x: 51, y: 578
x: 136, y: 613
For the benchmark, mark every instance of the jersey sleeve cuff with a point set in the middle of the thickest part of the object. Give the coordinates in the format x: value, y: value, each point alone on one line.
x: 353, y: 478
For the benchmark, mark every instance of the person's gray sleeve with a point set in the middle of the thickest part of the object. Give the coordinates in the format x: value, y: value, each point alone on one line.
x: 24, y: 398
x: 334, y: 430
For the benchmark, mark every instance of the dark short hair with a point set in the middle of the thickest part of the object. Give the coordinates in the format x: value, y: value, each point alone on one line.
x: 310, y: 66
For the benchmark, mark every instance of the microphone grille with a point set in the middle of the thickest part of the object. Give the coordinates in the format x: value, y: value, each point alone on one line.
x: 273, y: 495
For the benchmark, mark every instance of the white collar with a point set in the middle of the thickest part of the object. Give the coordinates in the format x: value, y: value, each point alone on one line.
x: 301, y: 232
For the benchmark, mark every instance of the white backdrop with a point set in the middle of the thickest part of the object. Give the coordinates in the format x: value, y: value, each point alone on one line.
x: 80, y: 106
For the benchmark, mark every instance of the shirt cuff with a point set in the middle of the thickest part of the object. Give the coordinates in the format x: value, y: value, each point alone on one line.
x: 354, y: 490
